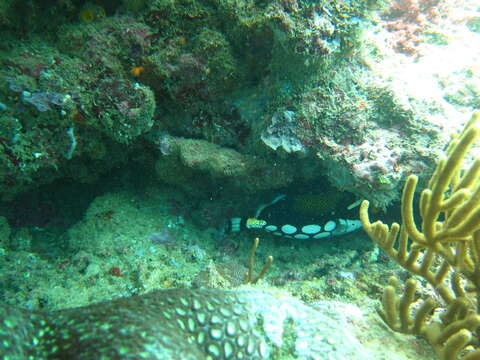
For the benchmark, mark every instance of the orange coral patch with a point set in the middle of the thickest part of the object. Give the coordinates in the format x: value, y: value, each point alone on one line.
x: 137, y: 70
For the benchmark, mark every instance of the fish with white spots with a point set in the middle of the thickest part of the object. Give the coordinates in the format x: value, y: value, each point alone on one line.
x: 277, y: 218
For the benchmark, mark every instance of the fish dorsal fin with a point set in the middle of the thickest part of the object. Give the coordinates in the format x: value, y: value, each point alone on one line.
x: 262, y: 207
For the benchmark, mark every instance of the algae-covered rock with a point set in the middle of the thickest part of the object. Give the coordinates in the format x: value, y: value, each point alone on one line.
x: 127, y: 109
x: 187, y: 158
x: 203, y: 66
x: 58, y: 111
x: 217, y: 161
x: 170, y: 169
x: 116, y: 44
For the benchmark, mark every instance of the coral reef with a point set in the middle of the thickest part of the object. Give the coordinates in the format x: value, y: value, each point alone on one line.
x: 223, y: 324
x: 408, y: 23
x: 271, y: 84
x: 91, y: 84
x: 136, y: 239
x: 444, y: 252
x: 47, y: 124
x: 187, y: 324
x: 230, y: 103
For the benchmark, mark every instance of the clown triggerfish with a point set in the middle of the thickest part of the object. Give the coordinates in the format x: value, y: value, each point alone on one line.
x: 279, y: 220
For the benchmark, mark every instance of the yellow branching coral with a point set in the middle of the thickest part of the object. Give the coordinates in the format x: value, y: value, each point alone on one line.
x: 445, y: 251
x: 249, y: 277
